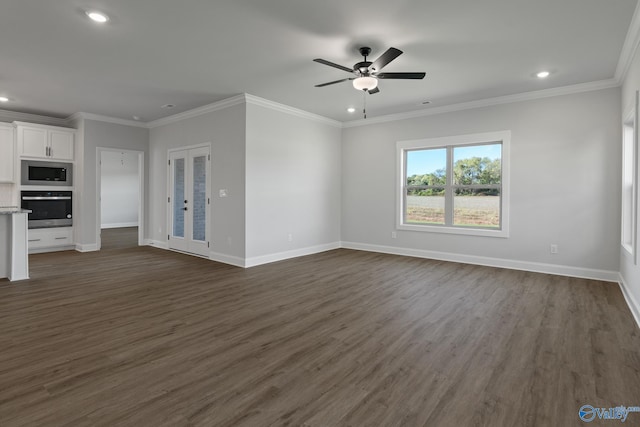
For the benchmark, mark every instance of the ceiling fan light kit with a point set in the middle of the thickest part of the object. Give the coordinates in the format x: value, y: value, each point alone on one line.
x: 365, y: 83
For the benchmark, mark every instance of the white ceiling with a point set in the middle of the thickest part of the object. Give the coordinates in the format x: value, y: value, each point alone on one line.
x: 54, y: 61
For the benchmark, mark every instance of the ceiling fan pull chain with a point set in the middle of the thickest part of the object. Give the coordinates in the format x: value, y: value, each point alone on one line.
x: 364, y: 100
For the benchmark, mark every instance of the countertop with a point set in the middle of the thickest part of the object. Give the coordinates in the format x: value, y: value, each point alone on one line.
x: 10, y: 210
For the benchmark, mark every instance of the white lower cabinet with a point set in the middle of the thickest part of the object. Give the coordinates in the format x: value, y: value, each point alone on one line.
x: 50, y: 239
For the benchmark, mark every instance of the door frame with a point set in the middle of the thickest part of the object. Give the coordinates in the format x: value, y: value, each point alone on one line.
x: 169, y: 213
x: 141, y: 194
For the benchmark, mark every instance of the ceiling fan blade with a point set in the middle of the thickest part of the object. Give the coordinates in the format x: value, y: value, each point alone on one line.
x: 391, y: 54
x: 374, y: 90
x: 334, y: 65
x: 333, y: 82
x: 400, y: 75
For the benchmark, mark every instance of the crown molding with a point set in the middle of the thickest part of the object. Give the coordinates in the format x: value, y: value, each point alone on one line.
x: 489, y: 102
x: 255, y: 100
x: 216, y: 106
x: 106, y: 119
x: 15, y: 116
x: 631, y: 43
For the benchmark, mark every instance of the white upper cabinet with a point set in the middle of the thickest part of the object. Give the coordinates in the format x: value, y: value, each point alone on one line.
x: 7, y: 154
x: 45, y: 142
x: 61, y: 144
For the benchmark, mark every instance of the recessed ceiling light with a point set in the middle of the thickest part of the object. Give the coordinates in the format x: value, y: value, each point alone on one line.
x: 543, y: 74
x: 96, y: 16
x: 4, y: 99
x: 351, y: 110
x: 136, y: 118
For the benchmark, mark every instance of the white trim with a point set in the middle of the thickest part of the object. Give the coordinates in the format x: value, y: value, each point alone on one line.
x: 631, y: 115
x: 251, y: 99
x: 220, y: 105
x: 227, y: 259
x: 157, y: 244
x: 630, y: 46
x: 93, y: 247
x: 11, y: 116
x: 120, y: 225
x: 560, y: 270
x: 106, y: 119
x: 631, y: 301
x: 280, y: 256
x: 488, y: 102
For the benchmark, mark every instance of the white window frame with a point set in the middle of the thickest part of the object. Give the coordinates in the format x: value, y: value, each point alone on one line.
x: 629, y: 207
x: 502, y: 137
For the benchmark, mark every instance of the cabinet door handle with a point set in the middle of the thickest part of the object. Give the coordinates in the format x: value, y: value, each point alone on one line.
x: 34, y: 240
x: 61, y: 238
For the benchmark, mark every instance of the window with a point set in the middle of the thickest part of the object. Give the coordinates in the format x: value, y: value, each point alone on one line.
x: 629, y: 180
x: 455, y: 185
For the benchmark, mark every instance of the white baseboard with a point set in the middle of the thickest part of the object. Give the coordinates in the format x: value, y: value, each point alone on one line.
x: 280, y: 256
x: 631, y: 301
x: 87, y: 248
x: 156, y: 243
x: 120, y: 225
x: 227, y: 259
x: 561, y: 270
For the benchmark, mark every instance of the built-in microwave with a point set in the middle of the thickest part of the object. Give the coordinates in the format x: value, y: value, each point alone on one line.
x: 34, y: 172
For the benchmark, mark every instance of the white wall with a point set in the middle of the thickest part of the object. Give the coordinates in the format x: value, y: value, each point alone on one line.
x: 565, y: 163
x: 293, y: 184
x: 119, y: 193
x: 630, y: 271
x: 225, y: 130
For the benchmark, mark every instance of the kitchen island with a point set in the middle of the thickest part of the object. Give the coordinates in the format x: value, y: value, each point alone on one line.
x: 14, y: 257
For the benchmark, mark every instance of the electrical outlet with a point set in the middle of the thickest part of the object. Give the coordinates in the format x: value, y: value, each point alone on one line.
x: 554, y: 249
x: 394, y: 235
x: 290, y: 237
x: 223, y: 192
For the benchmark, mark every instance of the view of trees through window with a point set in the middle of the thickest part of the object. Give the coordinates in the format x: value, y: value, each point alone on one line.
x: 468, y: 195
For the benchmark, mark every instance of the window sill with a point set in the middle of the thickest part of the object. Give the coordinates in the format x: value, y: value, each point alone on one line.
x: 454, y: 230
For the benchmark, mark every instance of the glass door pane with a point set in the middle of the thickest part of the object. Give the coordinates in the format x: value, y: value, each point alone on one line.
x: 199, y: 211
x: 178, y: 197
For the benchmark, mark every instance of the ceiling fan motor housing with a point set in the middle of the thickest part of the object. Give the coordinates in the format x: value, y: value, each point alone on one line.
x: 362, y: 68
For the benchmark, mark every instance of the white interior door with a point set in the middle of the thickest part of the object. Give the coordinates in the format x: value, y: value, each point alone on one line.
x: 189, y: 200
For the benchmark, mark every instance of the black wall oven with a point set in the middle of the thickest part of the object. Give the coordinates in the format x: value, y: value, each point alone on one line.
x: 49, y: 208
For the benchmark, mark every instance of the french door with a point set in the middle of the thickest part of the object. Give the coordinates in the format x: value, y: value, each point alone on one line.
x: 189, y: 200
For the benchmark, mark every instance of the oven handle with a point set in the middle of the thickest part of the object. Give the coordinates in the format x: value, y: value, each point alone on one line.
x: 45, y: 198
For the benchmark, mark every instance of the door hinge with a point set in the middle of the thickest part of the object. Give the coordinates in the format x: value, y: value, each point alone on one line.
x: 169, y: 162
x: 208, y: 201
x: 168, y: 238
x: 208, y: 245
x: 168, y: 199
x: 208, y: 156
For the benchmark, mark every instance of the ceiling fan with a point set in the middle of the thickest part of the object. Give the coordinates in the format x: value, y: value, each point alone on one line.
x: 367, y: 73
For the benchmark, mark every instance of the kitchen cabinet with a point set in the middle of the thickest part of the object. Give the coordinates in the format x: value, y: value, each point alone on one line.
x: 50, y: 239
x: 7, y: 154
x: 44, y: 142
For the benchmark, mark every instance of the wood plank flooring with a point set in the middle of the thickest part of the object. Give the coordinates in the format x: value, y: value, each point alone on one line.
x: 119, y: 238
x: 146, y: 337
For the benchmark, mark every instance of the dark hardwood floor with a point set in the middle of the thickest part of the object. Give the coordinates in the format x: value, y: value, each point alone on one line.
x: 119, y: 238
x: 145, y: 337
